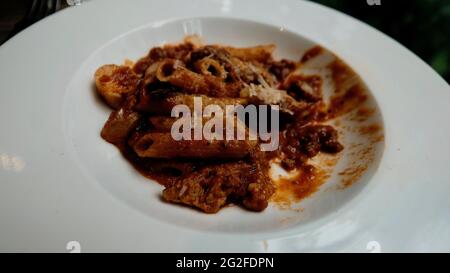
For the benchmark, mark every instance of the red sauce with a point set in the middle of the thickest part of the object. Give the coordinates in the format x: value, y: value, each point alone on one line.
x: 125, y: 77
x: 303, y: 87
x: 370, y: 129
x: 307, y: 182
x: 341, y: 73
x: 363, y: 113
x: 352, y: 174
x: 311, y: 53
x: 347, y: 102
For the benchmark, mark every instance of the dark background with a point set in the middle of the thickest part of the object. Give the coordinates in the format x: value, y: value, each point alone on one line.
x: 421, y: 25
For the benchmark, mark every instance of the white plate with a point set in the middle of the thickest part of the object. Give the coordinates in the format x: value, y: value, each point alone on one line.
x: 59, y: 182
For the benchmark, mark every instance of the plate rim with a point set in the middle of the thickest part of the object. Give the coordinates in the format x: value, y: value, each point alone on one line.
x: 47, y: 21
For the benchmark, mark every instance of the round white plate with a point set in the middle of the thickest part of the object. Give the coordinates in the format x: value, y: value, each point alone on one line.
x: 60, y: 182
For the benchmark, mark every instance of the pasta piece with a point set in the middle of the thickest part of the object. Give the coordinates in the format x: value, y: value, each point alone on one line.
x: 195, y: 40
x: 162, y: 145
x: 150, y: 74
x: 164, y: 124
x: 114, y: 83
x: 156, y: 54
x: 141, y: 65
x: 169, y: 167
x: 282, y: 68
x: 163, y: 101
x: 301, y: 87
x: 262, y: 53
x: 119, y: 126
x: 209, y: 66
x: 178, y: 52
x: 161, y: 123
x: 128, y: 63
x: 167, y: 68
x: 263, y: 75
x: 172, y: 71
x: 259, y: 94
x: 250, y: 73
x: 217, y: 53
x: 236, y: 69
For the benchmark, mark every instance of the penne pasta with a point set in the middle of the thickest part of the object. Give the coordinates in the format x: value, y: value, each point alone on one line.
x: 167, y: 68
x: 119, y: 126
x: 174, y: 73
x: 162, y: 145
x: 169, y: 167
x: 163, y: 101
x: 209, y: 66
x: 114, y: 83
x: 195, y: 40
x: 302, y: 87
x: 261, y: 53
x: 258, y: 94
x: 150, y: 74
x: 163, y: 124
x: 178, y: 52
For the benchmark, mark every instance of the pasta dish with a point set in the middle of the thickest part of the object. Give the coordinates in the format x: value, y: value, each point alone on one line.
x: 209, y: 174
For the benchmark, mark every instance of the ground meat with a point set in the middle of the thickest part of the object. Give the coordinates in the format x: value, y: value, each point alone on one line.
x: 236, y: 69
x: 213, y: 52
x: 141, y: 65
x: 178, y: 52
x: 299, y: 143
x: 213, y: 187
x: 308, y: 88
x: 281, y: 68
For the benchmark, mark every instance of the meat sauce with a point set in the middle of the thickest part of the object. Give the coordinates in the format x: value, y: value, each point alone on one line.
x: 311, y: 54
x: 212, y: 184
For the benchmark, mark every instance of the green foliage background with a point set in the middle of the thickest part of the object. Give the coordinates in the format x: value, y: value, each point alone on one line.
x: 421, y: 25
